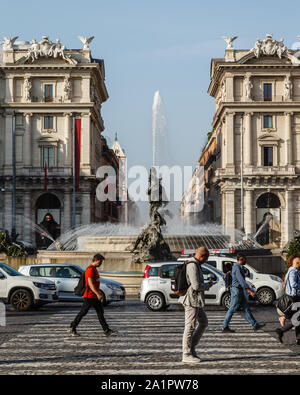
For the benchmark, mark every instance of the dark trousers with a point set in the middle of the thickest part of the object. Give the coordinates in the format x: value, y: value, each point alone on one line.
x: 87, y: 304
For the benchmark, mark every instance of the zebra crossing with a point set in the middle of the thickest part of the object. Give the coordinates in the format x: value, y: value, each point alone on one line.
x: 147, y: 343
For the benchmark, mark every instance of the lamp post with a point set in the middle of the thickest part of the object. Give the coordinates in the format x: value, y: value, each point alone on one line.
x: 242, y: 174
x: 13, y: 211
x: 74, y: 170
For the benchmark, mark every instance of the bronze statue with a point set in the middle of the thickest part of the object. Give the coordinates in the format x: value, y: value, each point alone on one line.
x: 150, y: 244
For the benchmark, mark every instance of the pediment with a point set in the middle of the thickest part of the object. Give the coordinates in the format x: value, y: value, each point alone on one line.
x: 44, y: 51
x: 268, y: 137
x: 286, y: 59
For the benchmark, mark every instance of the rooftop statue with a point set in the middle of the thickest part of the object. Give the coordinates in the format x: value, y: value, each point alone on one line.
x: 229, y: 41
x: 86, y: 41
x: 46, y: 48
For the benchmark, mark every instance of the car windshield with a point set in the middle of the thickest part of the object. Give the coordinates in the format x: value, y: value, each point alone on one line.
x: 213, y: 269
x: 251, y: 268
x: 9, y: 270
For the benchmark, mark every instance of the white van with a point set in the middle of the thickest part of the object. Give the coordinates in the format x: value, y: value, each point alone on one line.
x: 268, y: 287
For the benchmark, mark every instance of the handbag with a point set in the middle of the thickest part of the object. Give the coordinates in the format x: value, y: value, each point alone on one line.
x: 285, y: 304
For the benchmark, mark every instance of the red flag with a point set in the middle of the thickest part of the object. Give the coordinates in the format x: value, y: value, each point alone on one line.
x: 45, y: 178
x: 77, y: 151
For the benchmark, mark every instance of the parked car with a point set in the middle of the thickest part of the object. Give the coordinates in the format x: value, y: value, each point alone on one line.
x: 268, y: 286
x: 156, y: 289
x: 65, y: 277
x: 24, y: 292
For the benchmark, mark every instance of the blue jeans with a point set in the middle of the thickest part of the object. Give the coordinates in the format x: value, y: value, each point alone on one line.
x: 238, y: 298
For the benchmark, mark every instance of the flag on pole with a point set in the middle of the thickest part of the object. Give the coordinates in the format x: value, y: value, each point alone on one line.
x: 45, y: 178
x: 77, y: 151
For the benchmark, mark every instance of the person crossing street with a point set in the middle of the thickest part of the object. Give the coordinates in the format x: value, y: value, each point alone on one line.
x: 239, y: 296
x: 92, y: 298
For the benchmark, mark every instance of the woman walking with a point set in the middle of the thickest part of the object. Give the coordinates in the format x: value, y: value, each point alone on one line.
x: 292, y: 288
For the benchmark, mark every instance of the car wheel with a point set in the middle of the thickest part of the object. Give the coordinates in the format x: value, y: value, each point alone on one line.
x: 103, y: 300
x: 155, y: 301
x: 265, y: 296
x: 21, y: 300
x: 226, y: 299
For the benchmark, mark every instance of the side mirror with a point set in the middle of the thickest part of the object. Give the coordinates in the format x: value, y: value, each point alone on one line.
x: 212, y: 277
x: 2, y: 277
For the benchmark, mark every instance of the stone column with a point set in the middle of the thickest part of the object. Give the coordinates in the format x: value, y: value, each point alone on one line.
x: 86, y: 87
x: 9, y: 89
x: 229, y: 84
x: 86, y: 208
x: 8, y: 210
x: 249, y: 228
x: 248, y: 149
x: 28, y: 140
x: 27, y: 215
x: 8, y: 139
x: 288, y: 231
x: 289, y: 138
x: 229, y: 140
x: 67, y: 211
x: 68, y: 139
x: 230, y: 213
x: 86, y: 147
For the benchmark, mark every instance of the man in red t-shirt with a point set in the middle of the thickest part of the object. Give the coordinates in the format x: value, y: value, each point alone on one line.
x: 92, y: 298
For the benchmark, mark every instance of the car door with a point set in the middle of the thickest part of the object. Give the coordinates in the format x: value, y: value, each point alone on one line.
x: 3, y: 285
x: 211, y: 295
x: 164, y: 282
x: 67, y: 278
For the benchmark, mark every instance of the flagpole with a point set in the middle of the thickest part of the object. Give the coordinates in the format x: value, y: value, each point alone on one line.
x: 74, y: 171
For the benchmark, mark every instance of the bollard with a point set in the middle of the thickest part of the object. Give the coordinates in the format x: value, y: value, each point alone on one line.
x: 2, y: 314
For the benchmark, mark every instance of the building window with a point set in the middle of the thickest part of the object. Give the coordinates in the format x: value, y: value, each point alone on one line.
x: 268, y: 122
x: 48, y: 92
x: 267, y: 92
x: 48, y: 122
x: 268, y: 156
x: 48, y: 156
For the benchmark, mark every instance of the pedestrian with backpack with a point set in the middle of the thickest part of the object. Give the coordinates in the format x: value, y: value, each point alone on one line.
x: 193, y: 302
x: 239, y: 296
x: 292, y: 295
x: 92, y: 297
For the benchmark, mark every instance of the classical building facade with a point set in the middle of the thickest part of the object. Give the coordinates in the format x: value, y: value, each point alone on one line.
x: 46, y: 92
x: 256, y: 134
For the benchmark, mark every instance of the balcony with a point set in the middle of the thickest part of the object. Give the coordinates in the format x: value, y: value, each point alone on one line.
x: 40, y: 172
x: 234, y: 172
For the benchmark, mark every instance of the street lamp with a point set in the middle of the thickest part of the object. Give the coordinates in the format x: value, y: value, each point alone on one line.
x: 242, y: 174
x: 13, y: 211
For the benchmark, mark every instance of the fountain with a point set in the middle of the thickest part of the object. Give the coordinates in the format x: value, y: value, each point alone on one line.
x: 126, y: 248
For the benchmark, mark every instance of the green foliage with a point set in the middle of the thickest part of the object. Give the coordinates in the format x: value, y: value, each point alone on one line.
x: 10, y: 249
x: 294, y: 248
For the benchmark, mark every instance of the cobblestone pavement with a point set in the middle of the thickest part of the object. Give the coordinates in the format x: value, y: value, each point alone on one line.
x: 147, y: 343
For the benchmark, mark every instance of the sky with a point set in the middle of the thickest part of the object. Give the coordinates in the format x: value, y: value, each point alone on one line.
x: 150, y: 45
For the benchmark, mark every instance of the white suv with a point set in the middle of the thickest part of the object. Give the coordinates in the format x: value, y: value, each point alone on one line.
x: 156, y: 289
x: 24, y: 292
x: 268, y: 286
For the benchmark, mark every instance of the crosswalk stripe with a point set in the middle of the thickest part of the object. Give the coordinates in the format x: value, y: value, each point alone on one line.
x: 147, y: 343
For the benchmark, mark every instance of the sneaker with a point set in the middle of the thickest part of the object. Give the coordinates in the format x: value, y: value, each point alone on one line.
x: 227, y: 330
x: 190, y: 359
x: 110, y: 332
x: 73, y: 332
x: 279, y: 334
x: 258, y: 327
x: 194, y: 354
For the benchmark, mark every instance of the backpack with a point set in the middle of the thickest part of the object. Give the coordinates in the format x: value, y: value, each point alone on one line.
x: 285, y: 304
x: 80, y: 287
x: 228, y: 279
x: 179, y: 284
